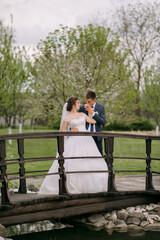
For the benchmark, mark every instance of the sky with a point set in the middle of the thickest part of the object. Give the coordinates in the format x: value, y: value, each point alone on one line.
x: 34, y: 19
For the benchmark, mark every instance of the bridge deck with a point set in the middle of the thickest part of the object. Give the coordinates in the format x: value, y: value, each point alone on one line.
x: 25, y: 207
x: 34, y: 207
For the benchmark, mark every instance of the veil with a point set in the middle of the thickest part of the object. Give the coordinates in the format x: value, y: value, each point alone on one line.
x: 64, y: 114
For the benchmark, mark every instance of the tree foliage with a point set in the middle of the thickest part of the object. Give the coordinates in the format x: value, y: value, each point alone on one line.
x: 5, y: 48
x: 138, y: 26
x: 151, y: 93
x: 13, y: 77
x: 73, y: 60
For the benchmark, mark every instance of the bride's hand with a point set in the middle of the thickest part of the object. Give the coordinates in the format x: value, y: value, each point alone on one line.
x: 74, y: 130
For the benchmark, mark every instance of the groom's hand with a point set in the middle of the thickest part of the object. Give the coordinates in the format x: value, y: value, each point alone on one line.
x: 74, y: 130
x: 89, y: 109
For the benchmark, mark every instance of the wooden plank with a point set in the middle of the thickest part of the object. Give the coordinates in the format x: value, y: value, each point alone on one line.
x: 46, y: 204
x: 52, y: 205
x: 33, y: 198
x: 76, y: 210
x: 56, y: 204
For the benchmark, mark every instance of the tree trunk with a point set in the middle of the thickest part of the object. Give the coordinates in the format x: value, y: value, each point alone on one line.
x: 10, y: 132
x: 157, y: 130
x: 138, y: 110
x: 14, y: 121
x: 32, y: 123
x: 20, y: 127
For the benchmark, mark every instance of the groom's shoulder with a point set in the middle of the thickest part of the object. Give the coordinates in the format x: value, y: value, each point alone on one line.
x: 99, y: 105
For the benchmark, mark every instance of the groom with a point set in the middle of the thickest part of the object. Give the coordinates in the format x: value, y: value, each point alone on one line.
x: 97, y: 111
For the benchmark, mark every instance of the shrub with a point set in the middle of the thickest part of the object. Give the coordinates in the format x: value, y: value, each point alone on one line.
x: 56, y: 124
x: 141, y: 124
x: 116, y: 126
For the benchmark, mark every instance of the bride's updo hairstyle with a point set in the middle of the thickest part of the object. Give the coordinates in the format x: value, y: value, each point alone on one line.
x: 71, y: 102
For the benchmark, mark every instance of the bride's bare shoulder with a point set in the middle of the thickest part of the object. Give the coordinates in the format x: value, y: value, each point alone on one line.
x: 75, y: 116
x: 68, y: 116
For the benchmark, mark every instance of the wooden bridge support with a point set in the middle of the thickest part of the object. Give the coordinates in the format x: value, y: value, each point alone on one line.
x: 149, y: 184
x: 4, y: 189
x: 61, y: 169
x: 22, y: 185
x: 109, y: 147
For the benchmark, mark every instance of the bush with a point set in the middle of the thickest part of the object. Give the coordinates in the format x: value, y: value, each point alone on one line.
x: 116, y: 126
x: 141, y: 124
x: 56, y: 124
x: 53, y: 123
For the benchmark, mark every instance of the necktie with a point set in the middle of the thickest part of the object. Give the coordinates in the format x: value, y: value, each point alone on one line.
x: 92, y: 123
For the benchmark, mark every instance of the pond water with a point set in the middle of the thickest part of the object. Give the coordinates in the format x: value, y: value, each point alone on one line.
x: 79, y: 232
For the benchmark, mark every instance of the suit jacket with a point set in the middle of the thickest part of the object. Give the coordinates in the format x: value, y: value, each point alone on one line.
x: 99, y: 117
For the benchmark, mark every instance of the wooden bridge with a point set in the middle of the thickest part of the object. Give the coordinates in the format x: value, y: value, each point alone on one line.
x: 23, y: 207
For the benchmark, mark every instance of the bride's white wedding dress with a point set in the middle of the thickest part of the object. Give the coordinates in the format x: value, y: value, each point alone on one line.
x: 78, y: 146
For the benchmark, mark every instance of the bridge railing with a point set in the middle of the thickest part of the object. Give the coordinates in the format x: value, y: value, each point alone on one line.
x: 108, y: 156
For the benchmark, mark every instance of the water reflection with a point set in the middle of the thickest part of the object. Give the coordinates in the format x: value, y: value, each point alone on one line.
x: 79, y: 233
x: 40, y: 226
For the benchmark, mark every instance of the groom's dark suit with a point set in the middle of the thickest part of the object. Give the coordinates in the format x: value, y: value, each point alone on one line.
x: 100, y: 119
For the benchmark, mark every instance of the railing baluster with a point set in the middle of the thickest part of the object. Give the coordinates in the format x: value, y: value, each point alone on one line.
x: 4, y: 189
x: 109, y: 146
x: 149, y: 184
x: 22, y: 184
x: 61, y: 169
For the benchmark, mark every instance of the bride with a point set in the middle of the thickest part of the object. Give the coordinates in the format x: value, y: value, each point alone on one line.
x: 78, y: 146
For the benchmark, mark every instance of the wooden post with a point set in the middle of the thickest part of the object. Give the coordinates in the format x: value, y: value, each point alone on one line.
x: 149, y: 184
x: 4, y: 189
x: 22, y: 182
x: 61, y: 169
x: 109, y: 146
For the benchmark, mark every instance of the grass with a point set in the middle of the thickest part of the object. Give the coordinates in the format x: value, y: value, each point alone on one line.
x: 32, y: 148
x: 126, y: 147
x: 123, y: 147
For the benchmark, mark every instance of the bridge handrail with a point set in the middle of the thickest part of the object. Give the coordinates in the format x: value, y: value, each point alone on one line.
x: 56, y: 134
x: 108, y: 146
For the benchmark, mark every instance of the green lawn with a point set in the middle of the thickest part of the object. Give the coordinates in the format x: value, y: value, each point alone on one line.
x: 48, y: 147
x: 32, y: 148
x: 126, y: 147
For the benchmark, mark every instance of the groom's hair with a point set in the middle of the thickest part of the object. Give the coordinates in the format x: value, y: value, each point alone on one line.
x: 91, y: 95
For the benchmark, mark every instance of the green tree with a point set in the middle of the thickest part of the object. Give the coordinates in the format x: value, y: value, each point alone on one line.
x: 6, y: 38
x: 72, y: 60
x: 138, y: 25
x: 151, y: 94
x: 14, y: 76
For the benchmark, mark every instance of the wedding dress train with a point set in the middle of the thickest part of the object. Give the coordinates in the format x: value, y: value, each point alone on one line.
x: 79, y: 146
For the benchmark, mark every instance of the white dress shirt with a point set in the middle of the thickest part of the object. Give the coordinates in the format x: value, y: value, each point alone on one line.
x: 94, y: 127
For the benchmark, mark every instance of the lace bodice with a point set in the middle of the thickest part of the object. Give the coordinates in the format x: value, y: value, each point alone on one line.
x: 77, y: 123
